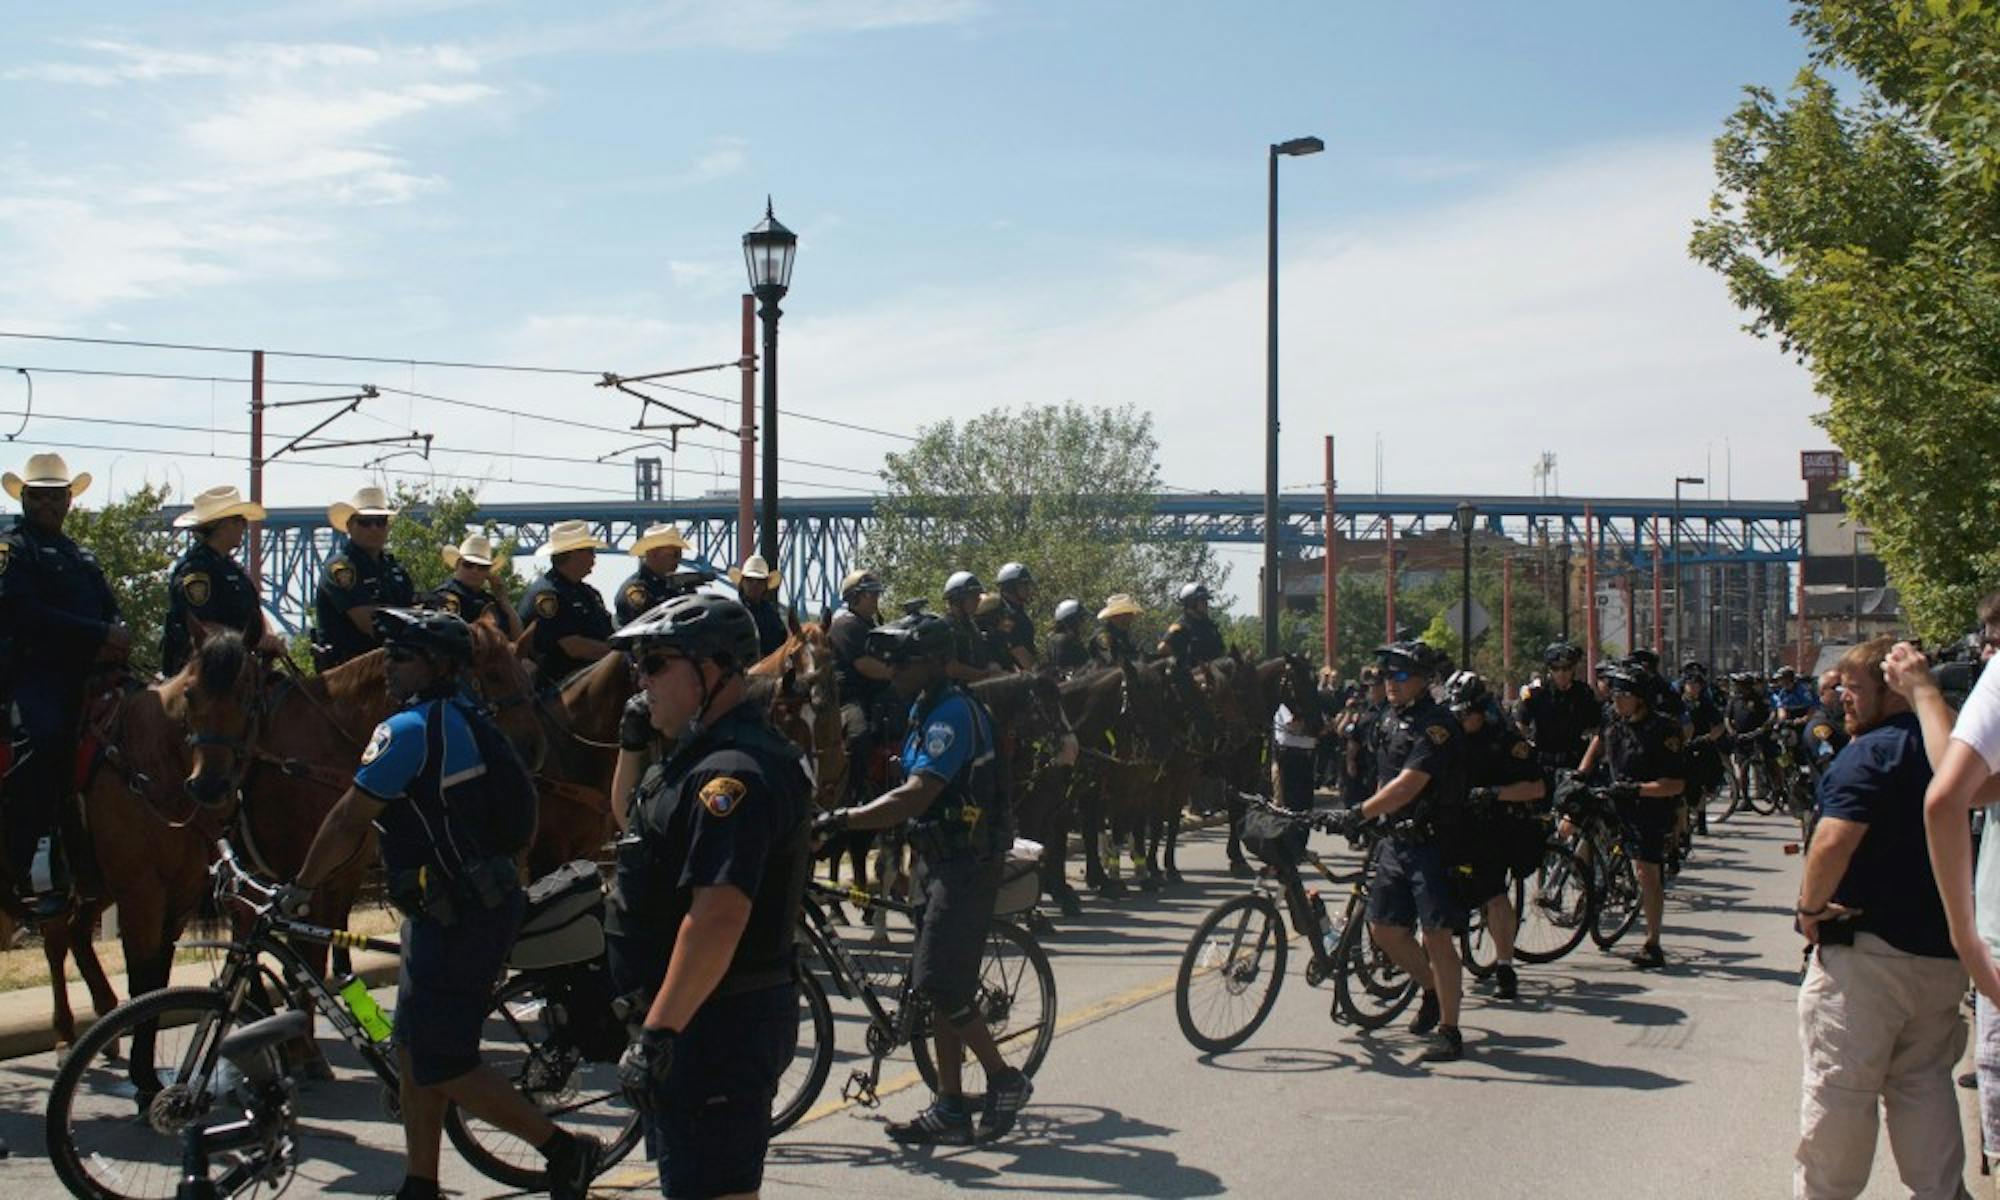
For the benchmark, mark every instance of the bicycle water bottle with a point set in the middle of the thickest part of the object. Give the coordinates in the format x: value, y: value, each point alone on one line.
x: 1329, y: 936
x: 354, y: 993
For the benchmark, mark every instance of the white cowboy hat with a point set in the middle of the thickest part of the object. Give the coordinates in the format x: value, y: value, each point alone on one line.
x: 1119, y: 605
x: 44, y: 470
x: 565, y: 536
x: 753, y: 567
x: 215, y: 504
x: 476, y: 549
x: 658, y: 536
x: 370, y: 501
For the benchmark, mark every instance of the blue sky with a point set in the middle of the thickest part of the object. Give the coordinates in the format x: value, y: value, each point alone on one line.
x: 999, y: 203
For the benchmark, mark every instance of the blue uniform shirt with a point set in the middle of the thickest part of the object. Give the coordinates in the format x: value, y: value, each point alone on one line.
x: 945, y: 742
x: 1878, y: 781
x: 420, y: 830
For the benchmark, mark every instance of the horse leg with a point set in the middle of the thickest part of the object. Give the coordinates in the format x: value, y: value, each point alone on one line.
x: 1090, y: 814
x: 1173, y: 844
x: 82, y: 928
x: 55, y: 948
x: 1055, y: 855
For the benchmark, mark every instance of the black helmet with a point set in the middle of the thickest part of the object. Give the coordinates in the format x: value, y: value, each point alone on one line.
x: 1628, y: 677
x: 1644, y: 658
x: 436, y: 635
x: 699, y: 625
x: 1693, y: 668
x: 962, y: 582
x: 1559, y: 654
x: 1012, y: 573
x: 1408, y: 656
x: 1465, y: 691
x: 905, y: 639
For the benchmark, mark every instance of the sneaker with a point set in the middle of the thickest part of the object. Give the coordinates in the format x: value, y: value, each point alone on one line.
x: 944, y: 1123
x: 1649, y: 957
x: 1006, y: 1096
x: 574, y: 1162
x: 1428, y: 1013
x: 1506, y: 984
x: 1241, y: 869
x: 1446, y: 1045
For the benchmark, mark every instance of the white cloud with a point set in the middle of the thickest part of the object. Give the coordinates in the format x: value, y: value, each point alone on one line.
x: 755, y: 26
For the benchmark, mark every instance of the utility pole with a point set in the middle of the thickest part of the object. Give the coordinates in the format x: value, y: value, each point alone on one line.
x: 1330, y: 563
x: 256, y: 547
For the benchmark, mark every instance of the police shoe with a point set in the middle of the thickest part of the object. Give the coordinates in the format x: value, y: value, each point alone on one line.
x: 946, y: 1121
x: 1506, y: 984
x: 1446, y: 1045
x: 573, y: 1162
x: 1427, y: 1016
x: 1006, y: 1095
x: 1649, y: 957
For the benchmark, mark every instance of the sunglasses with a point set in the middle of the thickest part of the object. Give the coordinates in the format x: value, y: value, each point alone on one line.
x: 1397, y: 676
x: 651, y: 664
x: 369, y: 522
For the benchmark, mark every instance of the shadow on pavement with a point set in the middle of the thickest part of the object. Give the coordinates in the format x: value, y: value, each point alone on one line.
x: 1512, y: 1054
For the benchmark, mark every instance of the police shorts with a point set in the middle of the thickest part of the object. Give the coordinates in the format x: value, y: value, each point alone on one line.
x: 1411, y: 887
x: 711, y: 1122
x: 1648, y: 820
x: 958, y: 891
x: 446, y: 986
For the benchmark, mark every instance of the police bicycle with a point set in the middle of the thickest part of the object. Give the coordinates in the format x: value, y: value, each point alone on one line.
x: 115, y: 1130
x: 1234, y: 964
x: 1016, y: 999
x: 1593, y: 838
x: 1554, y: 908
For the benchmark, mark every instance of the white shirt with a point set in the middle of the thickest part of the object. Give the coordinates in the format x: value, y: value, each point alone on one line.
x: 1979, y: 727
x: 1286, y: 737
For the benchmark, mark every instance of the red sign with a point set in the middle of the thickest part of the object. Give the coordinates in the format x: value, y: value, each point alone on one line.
x: 1822, y: 464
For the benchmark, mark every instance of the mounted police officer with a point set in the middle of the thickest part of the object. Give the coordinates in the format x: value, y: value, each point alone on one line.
x: 972, y: 656
x: 1421, y: 791
x: 571, y: 626
x: 659, y: 576
x: 861, y: 679
x: 424, y: 784
x: 1504, y: 830
x: 208, y: 585
x: 1067, y: 651
x: 64, y: 622
x: 953, y: 793
x: 757, y: 588
x: 361, y: 577
x: 1648, y: 763
x: 474, y: 588
x: 1194, y: 638
x: 1113, y: 645
x: 701, y: 918
x: 1011, y: 631
x: 1559, y: 713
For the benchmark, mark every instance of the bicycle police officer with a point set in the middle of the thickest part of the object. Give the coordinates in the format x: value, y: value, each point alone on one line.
x: 701, y: 919
x: 1560, y: 713
x: 1648, y: 763
x: 419, y: 784
x: 953, y: 793
x: 1505, y: 832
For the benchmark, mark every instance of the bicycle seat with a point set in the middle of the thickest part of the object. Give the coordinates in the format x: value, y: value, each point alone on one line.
x: 246, y: 1046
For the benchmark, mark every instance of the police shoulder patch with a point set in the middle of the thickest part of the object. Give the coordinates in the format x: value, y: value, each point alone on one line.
x: 1438, y: 734
x: 547, y: 604
x: 6, y: 552
x: 376, y: 744
x: 1672, y: 743
x: 938, y: 737
x: 196, y: 587
x: 1822, y: 731
x: 341, y: 572
x: 449, y: 600
x: 1520, y: 750
x: 722, y: 795
x: 636, y: 595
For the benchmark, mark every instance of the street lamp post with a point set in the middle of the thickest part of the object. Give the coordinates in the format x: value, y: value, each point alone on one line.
x: 1293, y: 148
x: 768, y: 251
x: 1691, y: 480
x: 1467, y: 513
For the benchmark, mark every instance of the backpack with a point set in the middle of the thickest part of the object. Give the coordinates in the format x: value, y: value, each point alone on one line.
x: 508, y: 787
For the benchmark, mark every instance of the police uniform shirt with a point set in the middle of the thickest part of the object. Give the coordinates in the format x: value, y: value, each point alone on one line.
x: 1562, y: 719
x: 640, y: 592
x: 1747, y: 715
x: 772, y: 632
x: 559, y: 609
x: 1823, y: 735
x: 946, y: 740
x: 419, y: 830
x: 1645, y: 750
x: 60, y: 609
x: 1497, y: 756
x: 1111, y: 646
x: 1067, y: 651
x: 732, y: 808
x: 1424, y: 737
x: 848, y: 636
x: 354, y: 579
x: 1702, y: 715
x: 211, y: 588
x: 1794, y: 699
x: 969, y: 644
x: 1194, y: 639
x: 465, y: 602
x: 1011, y: 626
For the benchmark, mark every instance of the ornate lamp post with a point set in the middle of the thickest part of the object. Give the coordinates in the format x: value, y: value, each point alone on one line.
x: 768, y: 251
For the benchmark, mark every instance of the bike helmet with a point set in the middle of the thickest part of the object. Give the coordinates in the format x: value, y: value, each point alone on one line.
x: 1644, y: 658
x: 1407, y: 656
x: 435, y: 635
x: 1561, y: 654
x: 906, y: 639
x: 1628, y: 677
x: 960, y: 583
x: 1068, y: 610
x: 1693, y: 668
x: 1466, y: 692
x: 1193, y: 593
x: 699, y: 625
x: 1013, y: 572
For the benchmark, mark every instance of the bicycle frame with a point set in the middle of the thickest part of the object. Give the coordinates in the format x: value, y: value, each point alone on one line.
x: 887, y: 1029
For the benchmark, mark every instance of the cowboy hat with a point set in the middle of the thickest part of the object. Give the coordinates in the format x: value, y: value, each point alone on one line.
x: 565, y: 536
x: 753, y: 567
x: 44, y: 470
x: 476, y: 549
x: 215, y: 504
x: 1119, y: 605
x: 370, y: 501
x: 657, y: 537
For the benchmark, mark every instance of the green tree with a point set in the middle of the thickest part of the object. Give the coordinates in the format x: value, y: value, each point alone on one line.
x: 137, y: 551
x: 1065, y: 489
x: 1862, y: 237
x: 429, y: 519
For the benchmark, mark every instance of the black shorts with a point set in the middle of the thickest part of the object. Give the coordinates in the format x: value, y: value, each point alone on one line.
x: 1412, y: 887
x: 1647, y: 820
x: 958, y: 891
x: 711, y: 1122
x: 446, y: 986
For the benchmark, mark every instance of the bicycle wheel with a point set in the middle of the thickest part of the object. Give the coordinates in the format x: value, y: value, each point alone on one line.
x: 527, y: 1040
x: 1230, y: 973
x: 1558, y: 908
x: 1368, y: 987
x: 1476, y: 947
x: 1016, y: 999
x: 112, y: 1136
x: 1618, y: 901
x: 1766, y: 794
x: 800, y: 1085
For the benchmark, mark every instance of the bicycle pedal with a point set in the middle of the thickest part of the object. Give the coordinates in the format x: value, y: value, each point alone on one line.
x: 860, y: 1089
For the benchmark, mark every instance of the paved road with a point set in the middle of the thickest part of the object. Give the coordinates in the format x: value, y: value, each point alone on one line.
x: 1600, y: 1080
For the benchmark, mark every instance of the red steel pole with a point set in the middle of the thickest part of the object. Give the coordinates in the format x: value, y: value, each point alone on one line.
x: 1389, y: 575
x: 746, y: 487
x: 1659, y: 603
x: 256, y: 548
x: 1631, y: 612
x: 1331, y: 611
x: 1590, y: 595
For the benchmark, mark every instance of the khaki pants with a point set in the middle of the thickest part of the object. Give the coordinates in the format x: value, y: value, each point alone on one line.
x: 1880, y: 1027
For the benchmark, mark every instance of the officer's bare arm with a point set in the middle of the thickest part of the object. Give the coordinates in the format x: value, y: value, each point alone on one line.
x: 1662, y: 788
x: 1590, y: 754
x: 1526, y: 791
x: 898, y: 804
x: 707, y: 942
x: 1398, y: 792
x: 341, y: 836
x: 583, y: 649
x: 624, y: 779
x: 964, y: 674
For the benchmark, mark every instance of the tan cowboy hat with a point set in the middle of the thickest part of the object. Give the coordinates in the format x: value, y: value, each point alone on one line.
x: 657, y: 537
x: 565, y: 536
x: 1119, y: 605
x: 215, y: 504
x: 370, y: 501
x: 44, y: 470
x: 476, y: 549
x: 753, y: 567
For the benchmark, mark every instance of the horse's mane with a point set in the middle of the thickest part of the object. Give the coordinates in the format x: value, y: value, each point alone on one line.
x: 220, y: 662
